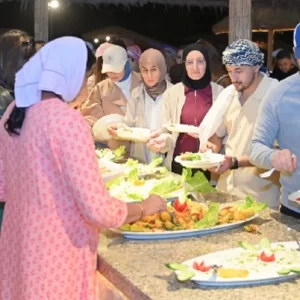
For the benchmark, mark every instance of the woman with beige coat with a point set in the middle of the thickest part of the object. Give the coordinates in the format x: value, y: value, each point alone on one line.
x: 186, y: 103
x: 145, y: 106
x: 111, y: 95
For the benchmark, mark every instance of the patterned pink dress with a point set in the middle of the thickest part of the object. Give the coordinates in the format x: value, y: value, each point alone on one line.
x: 55, y: 204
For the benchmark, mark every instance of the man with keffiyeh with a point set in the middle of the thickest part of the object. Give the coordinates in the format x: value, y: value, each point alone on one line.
x: 232, y: 119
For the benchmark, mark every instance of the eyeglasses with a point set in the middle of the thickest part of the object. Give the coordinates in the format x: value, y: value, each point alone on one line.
x: 199, y: 62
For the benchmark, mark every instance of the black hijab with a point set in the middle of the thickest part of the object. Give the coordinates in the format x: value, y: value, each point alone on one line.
x: 206, y: 79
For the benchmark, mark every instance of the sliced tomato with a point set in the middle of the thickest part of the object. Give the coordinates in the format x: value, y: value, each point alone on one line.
x: 267, y: 258
x: 180, y: 207
x: 201, y: 267
x: 298, y: 199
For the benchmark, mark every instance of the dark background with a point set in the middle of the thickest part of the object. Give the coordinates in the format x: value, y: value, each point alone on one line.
x: 173, y: 25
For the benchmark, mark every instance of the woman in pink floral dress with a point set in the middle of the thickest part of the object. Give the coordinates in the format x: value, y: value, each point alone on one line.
x: 55, y: 199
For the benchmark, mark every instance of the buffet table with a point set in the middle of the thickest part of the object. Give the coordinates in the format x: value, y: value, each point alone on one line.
x: 136, y: 269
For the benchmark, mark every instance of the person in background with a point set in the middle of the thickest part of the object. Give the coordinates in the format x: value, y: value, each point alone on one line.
x: 111, y: 95
x: 119, y: 42
x: 284, y: 66
x: 145, y: 104
x: 176, y: 71
x: 134, y: 54
x: 39, y: 44
x: 278, y: 119
x: 97, y: 68
x: 234, y: 116
x: 51, y: 226
x: 219, y: 74
x: 16, y: 47
x: 186, y: 103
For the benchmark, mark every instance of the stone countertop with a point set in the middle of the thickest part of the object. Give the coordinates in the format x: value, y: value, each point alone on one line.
x: 137, y: 268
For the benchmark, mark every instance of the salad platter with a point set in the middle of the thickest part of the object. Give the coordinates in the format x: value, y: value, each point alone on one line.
x: 200, y: 160
x: 246, y: 265
x: 181, y: 128
x: 141, y: 181
x: 188, y: 219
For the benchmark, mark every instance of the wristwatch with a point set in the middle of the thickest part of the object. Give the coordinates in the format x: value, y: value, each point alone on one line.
x: 235, y: 164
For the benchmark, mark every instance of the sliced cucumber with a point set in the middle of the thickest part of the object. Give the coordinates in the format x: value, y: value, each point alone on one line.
x: 176, y: 266
x: 247, y: 246
x: 265, y: 243
x: 185, y: 275
x: 284, y: 272
x: 296, y: 270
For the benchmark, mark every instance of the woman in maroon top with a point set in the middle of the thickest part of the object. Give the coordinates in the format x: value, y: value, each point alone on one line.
x: 186, y: 103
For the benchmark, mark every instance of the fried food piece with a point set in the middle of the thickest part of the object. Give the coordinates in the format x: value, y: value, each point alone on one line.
x: 165, y: 216
x: 232, y: 273
x: 253, y: 228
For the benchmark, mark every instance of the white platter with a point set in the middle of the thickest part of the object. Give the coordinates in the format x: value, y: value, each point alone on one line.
x: 116, y: 170
x: 207, y: 161
x: 180, y: 233
x: 294, y: 196
x: 181, y: 128
x: 259, y: 272
x: 99, y: 129
x: 135, y: 134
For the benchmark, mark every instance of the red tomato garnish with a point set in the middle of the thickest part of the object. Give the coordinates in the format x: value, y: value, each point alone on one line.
x: 180, y: 207
x: 201, y: 267
x: 267, y: 258
x: 298, y: 199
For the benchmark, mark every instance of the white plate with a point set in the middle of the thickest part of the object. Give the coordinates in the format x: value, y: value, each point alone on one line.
x: 259, y: 273
x: 208, y: 161
x: 99, y: 129
x: 294, y: 196
x: 116, y: 170
x: 182, y: 128
x: 134, y: 134
x: 180, y: 233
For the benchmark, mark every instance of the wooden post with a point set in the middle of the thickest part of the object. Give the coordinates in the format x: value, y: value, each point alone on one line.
x: 270, y: 48
x: 41, y: 22
x: 240, y: 25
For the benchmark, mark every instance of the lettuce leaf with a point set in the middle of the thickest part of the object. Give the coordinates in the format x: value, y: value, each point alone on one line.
x: 120, y: 153
x: 114, y: 182
x: 135, y: 197
x: 197, y: 183
x: 211, y: 218
x: 132, y: 162
x: 165, y: 187
x: 255, y: 205
x: 156, y: 161
x: 133, y: 175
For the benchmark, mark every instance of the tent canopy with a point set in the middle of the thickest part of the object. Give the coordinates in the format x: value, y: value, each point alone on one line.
x: 130, y: 37
x: 264, y: 19
x: 200, y: 3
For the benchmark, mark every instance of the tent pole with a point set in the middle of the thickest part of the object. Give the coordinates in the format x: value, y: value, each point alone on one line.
x: 240, y: 24
x: 41, y: 20
x: 270, y: 48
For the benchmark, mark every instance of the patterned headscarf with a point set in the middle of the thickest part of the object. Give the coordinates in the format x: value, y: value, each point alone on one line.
x: 243, y: 53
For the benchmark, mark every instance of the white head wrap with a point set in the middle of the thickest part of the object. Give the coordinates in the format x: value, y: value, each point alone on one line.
x: 58, y: 67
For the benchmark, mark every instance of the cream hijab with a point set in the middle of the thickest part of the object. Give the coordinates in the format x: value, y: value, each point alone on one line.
x: 156, y: 58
